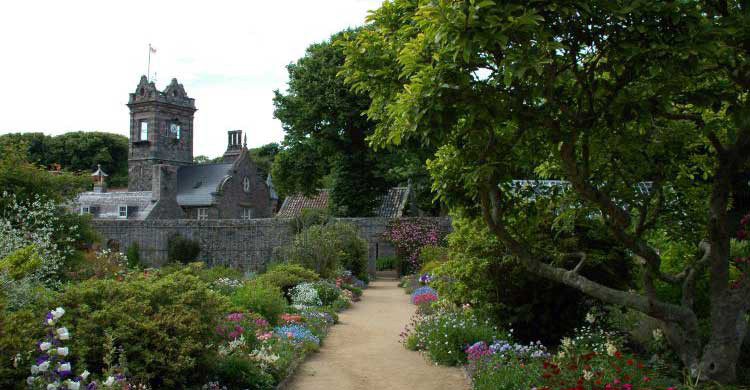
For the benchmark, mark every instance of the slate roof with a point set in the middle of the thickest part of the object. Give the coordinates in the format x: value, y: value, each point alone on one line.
x: 197, y: 184
x: 392, y: 204
x: 106, y: 205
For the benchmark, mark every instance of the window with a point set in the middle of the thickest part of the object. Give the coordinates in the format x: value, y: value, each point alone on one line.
x: 122, y: 211
x: 174, y: 129
x: 202, y: 213
x: 246, y: 184
x: 85, y: 210
x: 144, y: 131
x: 247, y: 213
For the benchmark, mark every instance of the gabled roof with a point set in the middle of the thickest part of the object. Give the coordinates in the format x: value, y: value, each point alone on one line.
x: 392, y: 204
x: 197, y: 184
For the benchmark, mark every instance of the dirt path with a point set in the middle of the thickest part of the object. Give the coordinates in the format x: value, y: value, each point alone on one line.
x: 363, y: 352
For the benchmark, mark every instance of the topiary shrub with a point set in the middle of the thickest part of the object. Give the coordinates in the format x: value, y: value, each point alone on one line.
x: 262, y: 298
x: 182, y: 250
x: 162, y: 324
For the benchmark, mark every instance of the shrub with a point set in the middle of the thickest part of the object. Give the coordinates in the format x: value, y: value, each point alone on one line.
x: 326, y: 248
x: 409, y: 236
x: 444, y: 336
x: 238, y: 372
x: 162, y: 324
x: 327, y: 292
x: 305, y: 294
x: 212, y: 274
x: 21, y: 263
x: 286, y: 276
x: 133, y: 254
x: 262, y: 298
x: 182, y: 250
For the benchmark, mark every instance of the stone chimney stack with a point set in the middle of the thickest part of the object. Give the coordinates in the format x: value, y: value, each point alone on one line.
x: 234, y: 145
x: 164, y: 193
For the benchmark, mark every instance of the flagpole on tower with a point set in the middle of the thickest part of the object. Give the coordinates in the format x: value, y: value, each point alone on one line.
x: 148, y: 70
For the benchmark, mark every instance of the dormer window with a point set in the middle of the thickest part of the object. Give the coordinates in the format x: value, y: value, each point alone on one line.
x: 85, y: 209
x: 144, y: 131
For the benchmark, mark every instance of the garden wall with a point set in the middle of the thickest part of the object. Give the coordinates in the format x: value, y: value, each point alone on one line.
x: 242, y: 244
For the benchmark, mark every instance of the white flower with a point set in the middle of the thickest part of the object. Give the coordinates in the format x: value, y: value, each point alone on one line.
x: 85, y: 374
x: 44, y: 366
x: 611, y: 348
x: 30, y: 380
x: 62, y: 351
x: 34, y: 369
x: 51, y: 386
x: 73, y: 385
x: 63, y: 334
x: 45, y: 346
x: 590, y: 318
x: 64, y: 367
x: 109, y: 382
x: 587, y: 375
x: 57, y: 313
x: 657, y: 334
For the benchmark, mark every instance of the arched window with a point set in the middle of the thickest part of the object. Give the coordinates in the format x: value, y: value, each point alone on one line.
x: 246, y: 184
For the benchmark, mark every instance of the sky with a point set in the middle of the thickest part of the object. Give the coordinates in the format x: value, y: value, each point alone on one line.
x: 70, y: 65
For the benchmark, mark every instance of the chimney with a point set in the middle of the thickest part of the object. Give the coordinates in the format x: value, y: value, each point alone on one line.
x: 164, y: 182
x: 234, y: 145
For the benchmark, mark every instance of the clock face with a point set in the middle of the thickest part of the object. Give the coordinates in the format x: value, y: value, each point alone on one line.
x: 246, y: 184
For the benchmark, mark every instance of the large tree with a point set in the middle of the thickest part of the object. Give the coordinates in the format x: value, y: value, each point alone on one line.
x: 326, y: 138
x: 641, y: 106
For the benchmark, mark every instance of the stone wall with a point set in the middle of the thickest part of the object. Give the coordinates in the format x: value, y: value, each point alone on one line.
x: 246, y: 245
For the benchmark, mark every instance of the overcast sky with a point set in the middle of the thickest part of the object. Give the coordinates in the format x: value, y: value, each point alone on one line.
x: 69, y: 65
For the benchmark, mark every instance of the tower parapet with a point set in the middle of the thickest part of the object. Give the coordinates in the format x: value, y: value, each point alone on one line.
x: 161, y: 130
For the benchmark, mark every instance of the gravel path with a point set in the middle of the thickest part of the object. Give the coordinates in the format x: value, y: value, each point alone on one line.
x: 363, y: 350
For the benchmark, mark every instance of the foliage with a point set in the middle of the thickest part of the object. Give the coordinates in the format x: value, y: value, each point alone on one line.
x: 445, y: 334
x: 286, y: 276
x: 326, y: 248
x: 182, y: 250
x: 101, y: 264
x: 327, y: 292
x: 76, y: 152
x: 21, y: 263
x: 592, y: 93
x: 162, y: 324
x: 261, y: 297
x: 305, y: 294
x: 386, y: 263
x: 409, y: 236
x: 133, y: 255
x: 38, y: 223
x: 308, y: 218
x: 28, y: 182
x: 240, y: 373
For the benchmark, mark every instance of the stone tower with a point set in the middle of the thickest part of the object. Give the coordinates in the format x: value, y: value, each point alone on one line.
x: 161, y: 131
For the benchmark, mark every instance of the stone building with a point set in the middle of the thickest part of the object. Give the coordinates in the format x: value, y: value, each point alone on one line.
x: 163, y: 182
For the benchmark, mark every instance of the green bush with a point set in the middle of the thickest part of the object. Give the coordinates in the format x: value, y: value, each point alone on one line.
x: 327, y: 292
x: 327, y: 248
x: 133, y: 254
x: 20, y: 331
x: 182, y: 250
x: 286, y: 276
x: 238, y: 372
x: 211, y: 274
x: 162, y: 323
x: 21, y: 262
x: 262, y: 298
